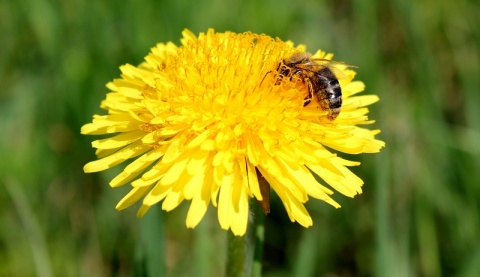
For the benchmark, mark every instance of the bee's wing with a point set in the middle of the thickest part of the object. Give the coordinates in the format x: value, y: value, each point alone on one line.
x: 318, y: 64
x: 331, y: 62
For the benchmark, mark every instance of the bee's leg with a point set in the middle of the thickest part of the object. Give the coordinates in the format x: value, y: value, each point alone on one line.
x: 309, y: 97
x: 280, y: 74
x: 279, y: 79
x: 278, y: 67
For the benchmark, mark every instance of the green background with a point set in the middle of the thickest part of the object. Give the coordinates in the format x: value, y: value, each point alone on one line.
x: 419, y: 214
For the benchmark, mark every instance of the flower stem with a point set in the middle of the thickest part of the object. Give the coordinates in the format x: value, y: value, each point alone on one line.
x: 259, y: 240
x: 260, y: 210
x: 241, y: 249
x: 244, y: 253
x: 237, y: 255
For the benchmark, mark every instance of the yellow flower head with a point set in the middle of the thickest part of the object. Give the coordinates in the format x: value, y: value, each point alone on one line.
x: 203, y: 119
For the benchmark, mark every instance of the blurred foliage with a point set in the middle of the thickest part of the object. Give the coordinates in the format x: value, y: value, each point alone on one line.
x: 419, y: 214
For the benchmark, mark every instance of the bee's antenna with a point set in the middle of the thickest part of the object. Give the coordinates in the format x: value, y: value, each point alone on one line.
x: 265, y: 77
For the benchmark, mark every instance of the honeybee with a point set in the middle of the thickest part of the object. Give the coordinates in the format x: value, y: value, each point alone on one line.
x: 319, y: 78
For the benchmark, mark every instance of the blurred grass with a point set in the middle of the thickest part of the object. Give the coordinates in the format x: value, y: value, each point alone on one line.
x: 419, y: 214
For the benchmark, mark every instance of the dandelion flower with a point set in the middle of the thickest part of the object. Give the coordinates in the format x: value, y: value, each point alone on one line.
x: 204, y: 121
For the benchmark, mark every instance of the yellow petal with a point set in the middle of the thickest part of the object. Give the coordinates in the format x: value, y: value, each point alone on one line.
x: 136, y: 167
x: 199, y: 206
x: 120, y: 156
x: 131, y: 198
x: 118, y: 140
x: 225, y: 205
